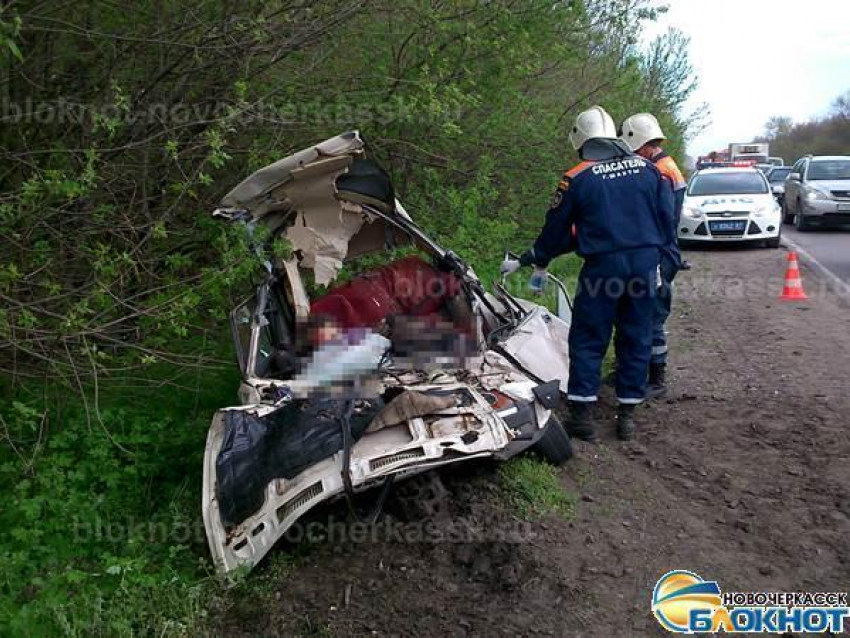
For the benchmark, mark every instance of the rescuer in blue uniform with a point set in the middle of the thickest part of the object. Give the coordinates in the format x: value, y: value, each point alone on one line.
x: 616, y: 212
x: 643, y: 135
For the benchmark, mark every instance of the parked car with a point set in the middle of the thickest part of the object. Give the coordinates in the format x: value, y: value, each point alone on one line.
x: 817, y: 192
x: 378, y: 407
x: 776, y: 177
x: 730, y: 205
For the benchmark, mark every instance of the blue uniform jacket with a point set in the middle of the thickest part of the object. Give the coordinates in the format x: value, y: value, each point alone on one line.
x: 608, y: 206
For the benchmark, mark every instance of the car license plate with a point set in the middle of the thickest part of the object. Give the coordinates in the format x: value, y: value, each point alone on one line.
x: 844, y: 207
x: 728, y: 227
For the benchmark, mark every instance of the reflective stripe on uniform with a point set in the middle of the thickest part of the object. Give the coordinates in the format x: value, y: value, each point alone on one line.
x: 578, y: 168
x: 669, y: 169
x: 575, y: 397
x: 565, y: 185
x: 629, y: 401
x: 659, y: 350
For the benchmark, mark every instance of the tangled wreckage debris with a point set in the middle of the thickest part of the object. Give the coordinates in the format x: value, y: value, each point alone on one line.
x: 404, y: 368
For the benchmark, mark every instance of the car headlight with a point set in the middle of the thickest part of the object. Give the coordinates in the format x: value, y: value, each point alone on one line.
x: 693, y: 213
x: 766, y: 210
x: 814, y: 194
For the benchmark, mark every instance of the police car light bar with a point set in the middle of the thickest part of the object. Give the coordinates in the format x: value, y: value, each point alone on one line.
x: 735, y: 164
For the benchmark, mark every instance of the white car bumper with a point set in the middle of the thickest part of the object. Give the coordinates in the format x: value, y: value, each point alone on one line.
x: 734, y: 229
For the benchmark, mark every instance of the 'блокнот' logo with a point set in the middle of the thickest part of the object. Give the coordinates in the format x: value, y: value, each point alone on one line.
x: 685, y: 603
x: 678, y: 594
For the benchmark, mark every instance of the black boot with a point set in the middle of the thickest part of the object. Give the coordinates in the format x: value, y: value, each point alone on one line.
x: 580, y: 425
x: 625, y: 422
x: 657, y: 388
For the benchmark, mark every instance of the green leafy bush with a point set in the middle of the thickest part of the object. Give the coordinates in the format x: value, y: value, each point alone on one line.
x: 101, y: 521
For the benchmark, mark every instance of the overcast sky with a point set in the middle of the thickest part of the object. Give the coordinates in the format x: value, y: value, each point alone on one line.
x: 757, y: 58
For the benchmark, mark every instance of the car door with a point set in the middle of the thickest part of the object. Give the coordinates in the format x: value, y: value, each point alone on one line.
x: 801, y: 186
x: 260, y: 331
x: 804, y: 167
x: 792, y: 185
x: 537, y: 341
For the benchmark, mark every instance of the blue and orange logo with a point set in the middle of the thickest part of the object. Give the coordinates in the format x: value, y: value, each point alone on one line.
x: 680, y: 592
x: 684, y: 603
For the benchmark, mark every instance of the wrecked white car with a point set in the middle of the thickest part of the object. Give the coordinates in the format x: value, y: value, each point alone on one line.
x: 399, y: 370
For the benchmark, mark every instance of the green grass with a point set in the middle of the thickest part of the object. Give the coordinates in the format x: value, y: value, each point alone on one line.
x: 101, y: 523
x: 534, y: 489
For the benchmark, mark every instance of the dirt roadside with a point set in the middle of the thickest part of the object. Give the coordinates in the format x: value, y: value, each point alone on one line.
x: 742, y: 475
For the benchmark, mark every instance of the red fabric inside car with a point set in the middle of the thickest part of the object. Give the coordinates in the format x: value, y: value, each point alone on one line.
x: 408, y: 286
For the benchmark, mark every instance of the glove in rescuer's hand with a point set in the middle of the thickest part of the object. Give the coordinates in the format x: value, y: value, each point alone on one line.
x: 509, y: 266
x: 537, y: 282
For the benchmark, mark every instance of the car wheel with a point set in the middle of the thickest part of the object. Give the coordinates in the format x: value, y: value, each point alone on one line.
x: 555, y: 445
x: 774, y: 243
x: 787, y: 217
x: 800, y: 222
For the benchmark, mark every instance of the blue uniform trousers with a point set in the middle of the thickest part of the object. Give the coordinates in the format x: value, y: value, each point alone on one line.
x: 615, y: 289
x: 663, y: 304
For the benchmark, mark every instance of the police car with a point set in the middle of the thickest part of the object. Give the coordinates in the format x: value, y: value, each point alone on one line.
x: 730, y: 204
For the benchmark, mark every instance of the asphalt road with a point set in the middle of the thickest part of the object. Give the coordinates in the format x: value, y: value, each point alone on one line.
x: 831, y: 247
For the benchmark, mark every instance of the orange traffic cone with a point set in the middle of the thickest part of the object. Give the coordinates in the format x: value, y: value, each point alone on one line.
x: 793, y: 290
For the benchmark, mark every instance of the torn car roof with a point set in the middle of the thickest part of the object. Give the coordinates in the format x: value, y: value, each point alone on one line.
x: 297, y: 197
x: 260, y: 193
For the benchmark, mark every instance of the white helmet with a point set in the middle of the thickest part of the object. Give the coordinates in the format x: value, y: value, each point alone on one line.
x: 639, y: 129
x: 592, y: 124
